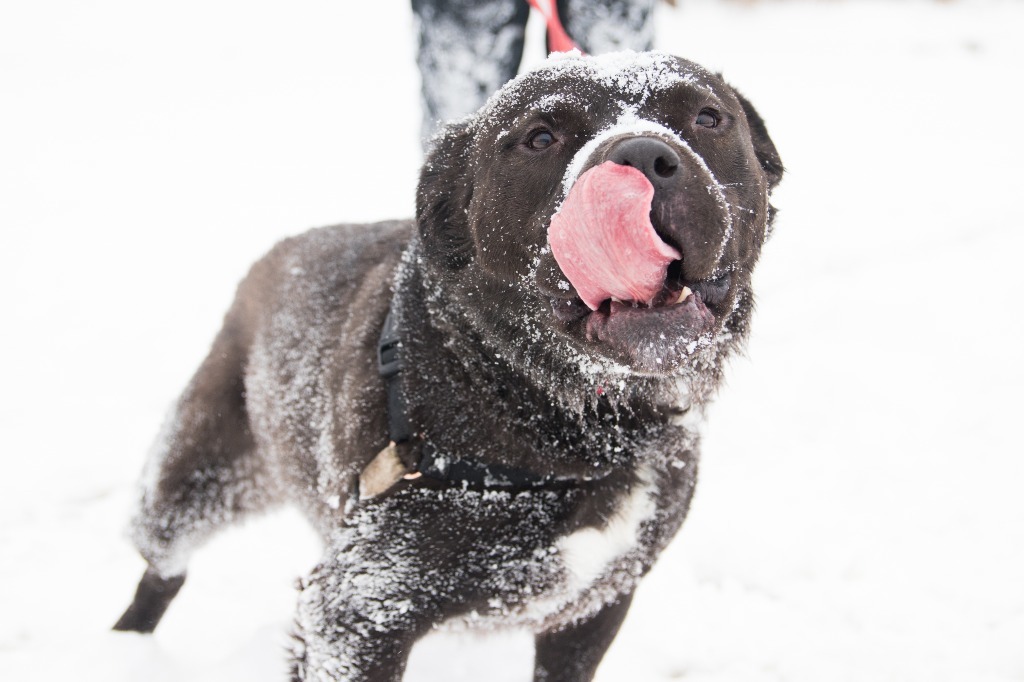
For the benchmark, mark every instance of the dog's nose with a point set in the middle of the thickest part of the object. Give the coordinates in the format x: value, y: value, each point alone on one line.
x: 649, y: 155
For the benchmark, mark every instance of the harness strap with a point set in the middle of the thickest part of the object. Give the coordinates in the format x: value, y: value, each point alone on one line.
x: 390, y: 366
x: 409, y: 456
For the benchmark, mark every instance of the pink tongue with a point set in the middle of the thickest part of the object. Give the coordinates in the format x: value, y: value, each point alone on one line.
x: 603, y: 240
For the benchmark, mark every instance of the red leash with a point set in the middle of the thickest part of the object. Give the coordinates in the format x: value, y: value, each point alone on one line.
x: 558, y: 39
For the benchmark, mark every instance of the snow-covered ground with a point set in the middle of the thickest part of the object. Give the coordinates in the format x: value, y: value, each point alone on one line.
x: 860, y: 514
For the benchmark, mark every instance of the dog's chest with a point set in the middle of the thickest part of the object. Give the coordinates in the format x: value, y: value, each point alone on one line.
x: 579, y: 571
x: 588, y: 552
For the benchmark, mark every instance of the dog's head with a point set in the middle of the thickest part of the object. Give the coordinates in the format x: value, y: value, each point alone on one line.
x: 611, y: 206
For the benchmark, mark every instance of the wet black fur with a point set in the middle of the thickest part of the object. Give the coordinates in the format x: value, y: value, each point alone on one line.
x: 288, y: 406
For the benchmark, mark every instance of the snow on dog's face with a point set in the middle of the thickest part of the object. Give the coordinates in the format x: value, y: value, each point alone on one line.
x: 616, y: 204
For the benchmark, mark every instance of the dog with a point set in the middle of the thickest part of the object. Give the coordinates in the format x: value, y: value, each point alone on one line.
x: 490, y: 413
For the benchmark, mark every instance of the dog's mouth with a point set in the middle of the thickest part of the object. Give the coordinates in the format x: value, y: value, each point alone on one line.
x: 628, y: 290
x: 708, y: 295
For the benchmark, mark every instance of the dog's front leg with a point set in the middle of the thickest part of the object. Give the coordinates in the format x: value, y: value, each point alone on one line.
x: 572, y: 653
x: 359, y: 614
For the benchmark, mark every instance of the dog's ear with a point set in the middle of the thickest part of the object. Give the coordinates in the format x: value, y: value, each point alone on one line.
x: 442, y: 200
x: 767, y: 155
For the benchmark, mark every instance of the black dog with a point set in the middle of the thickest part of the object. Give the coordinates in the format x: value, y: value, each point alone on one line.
x: 553, y: 322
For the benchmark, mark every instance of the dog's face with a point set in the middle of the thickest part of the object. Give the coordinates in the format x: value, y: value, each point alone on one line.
x: 614, y: 206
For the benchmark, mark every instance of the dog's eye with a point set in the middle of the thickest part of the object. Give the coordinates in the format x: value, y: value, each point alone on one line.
x: 707, y: 118
x: 540, y: 139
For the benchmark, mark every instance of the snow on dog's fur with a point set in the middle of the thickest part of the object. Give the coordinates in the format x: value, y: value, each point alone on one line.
x: 582, y: 419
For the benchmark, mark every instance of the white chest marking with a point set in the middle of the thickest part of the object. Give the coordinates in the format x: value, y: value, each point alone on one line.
x: 589, y: 551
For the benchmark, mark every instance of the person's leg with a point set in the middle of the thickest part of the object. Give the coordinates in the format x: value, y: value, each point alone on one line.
x: 600, y: 26
x: 467, y: 50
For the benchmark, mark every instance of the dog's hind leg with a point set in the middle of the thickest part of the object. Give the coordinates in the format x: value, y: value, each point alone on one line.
x: 152, y: 597
x: 203, y: 473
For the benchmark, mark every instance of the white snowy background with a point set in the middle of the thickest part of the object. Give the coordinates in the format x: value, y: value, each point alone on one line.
x: 860, y: 514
